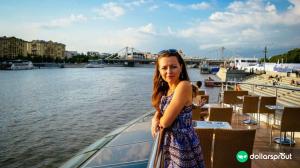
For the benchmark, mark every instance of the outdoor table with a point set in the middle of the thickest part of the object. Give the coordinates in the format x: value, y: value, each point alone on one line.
x: 211, y: 124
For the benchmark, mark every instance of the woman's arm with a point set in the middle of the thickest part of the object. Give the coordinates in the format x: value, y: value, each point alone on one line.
x: 182, y: 96
x: 155, y: 123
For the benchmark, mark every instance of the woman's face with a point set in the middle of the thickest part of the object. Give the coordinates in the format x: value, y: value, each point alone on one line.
x: 169, y: 69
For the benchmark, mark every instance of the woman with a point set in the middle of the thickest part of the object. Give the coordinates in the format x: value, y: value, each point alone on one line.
x: 172, y: 99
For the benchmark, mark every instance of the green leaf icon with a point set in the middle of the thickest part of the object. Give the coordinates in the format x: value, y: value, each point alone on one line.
x: 242, y: 156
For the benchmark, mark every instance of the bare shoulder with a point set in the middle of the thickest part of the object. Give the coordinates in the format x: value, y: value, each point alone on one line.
x: 184, y: 85
x: 184, y: 92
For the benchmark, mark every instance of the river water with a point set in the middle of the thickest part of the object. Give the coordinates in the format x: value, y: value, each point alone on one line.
x: 48, y: 115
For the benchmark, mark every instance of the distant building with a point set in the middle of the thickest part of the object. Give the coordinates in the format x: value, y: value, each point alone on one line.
x: 70, y: 54
x: 148, y: 55
x: 136, y: 55
x: 11, y: 47
x: 46, y: 49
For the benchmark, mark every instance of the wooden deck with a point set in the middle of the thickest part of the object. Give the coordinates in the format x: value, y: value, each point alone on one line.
x: 262, y: 145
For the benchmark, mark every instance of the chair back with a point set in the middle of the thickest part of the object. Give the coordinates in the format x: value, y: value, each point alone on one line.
x: 290, y: 119
x: 230, y: 96
x: 205, y: 136
x: 265, y: 100
x: 206, y: 97
x: 240, y: 93
x: 201, y: 92
x: 228, y: 143
x: 220, y: 114
x: 196, y: 113
x: 250, y: 104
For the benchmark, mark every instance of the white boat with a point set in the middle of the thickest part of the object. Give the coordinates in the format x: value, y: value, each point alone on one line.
x: 248, y: 64
x: 95, y: 64
x: 18, y: 65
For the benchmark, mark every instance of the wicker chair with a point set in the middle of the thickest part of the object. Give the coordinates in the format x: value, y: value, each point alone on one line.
x: 199, y: 113
x: 201, y: 92
x: 289, y: 122
x: 250, y: 105
x: 230, y: 97
x: 205, y: 136
x: 220, y: 114
x: 206, y: 97
x: 228, y: 143
x: 264, y: 100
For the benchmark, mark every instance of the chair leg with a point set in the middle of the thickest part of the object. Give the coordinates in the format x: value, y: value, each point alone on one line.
x: 268, y: 120
x: 271, y: 135
x: 280, y: 142
x: 291, y: 140
x: 258, y: 120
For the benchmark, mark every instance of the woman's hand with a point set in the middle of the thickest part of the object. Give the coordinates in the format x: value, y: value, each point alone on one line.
x: 154, y: 126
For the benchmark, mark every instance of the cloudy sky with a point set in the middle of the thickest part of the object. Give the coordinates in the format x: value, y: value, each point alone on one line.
x: 199, y: 28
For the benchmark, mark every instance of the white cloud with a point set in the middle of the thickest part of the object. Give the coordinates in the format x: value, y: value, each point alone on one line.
x: 200, y: 6
x: 110, y: 11
x: 148, y: 29
x: 135, y: 3
x: 114, y: 40
x: 153, y: 7
x: 248, y: 24
x: 176, y: 6
x: 196, y: 6
x: 61, y: 22
x: 170, y: 31
x: 270, y: 8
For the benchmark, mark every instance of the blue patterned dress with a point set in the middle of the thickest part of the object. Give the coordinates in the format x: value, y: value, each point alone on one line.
x: 181, y: 147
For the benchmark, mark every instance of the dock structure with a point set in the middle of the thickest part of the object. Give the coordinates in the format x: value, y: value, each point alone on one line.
x: 284, y: 96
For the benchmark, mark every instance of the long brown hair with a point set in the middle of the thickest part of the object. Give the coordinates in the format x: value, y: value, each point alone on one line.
x: 160, y: 86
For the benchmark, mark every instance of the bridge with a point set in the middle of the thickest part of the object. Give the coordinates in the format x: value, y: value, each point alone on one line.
x: 129, y: 56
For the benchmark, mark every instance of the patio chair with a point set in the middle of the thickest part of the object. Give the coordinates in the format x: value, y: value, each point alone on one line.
x: 289, y: 123
x: 199, y: 113
x: 250, y: 105
x: 220, y: 114
x: 206, y: 97
x: 228, y: 143
x: 201, y: 92
x: 230, y: 97
x: 205, y: 136
x: 265, y: 100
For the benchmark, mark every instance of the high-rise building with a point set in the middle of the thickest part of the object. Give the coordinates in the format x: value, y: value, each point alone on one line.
x: 11, y: 47
x: 46, y: 49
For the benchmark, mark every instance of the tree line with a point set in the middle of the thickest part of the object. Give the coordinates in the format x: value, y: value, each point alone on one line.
x: 292, y: 56
x: 80, y: 58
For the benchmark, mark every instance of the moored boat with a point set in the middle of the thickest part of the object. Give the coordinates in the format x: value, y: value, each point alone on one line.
x: 204, y: 69
x: 212, y: 83
x: 17, y: 65
x: 95, y: 64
